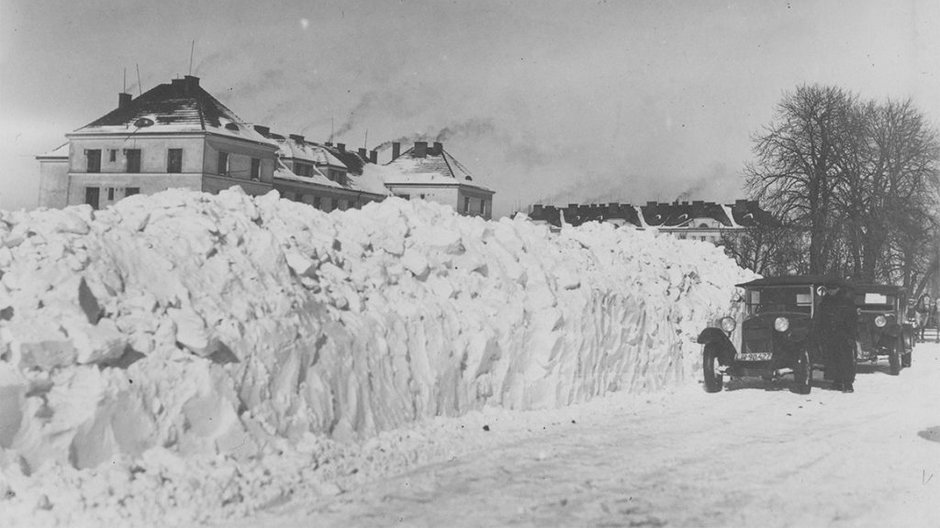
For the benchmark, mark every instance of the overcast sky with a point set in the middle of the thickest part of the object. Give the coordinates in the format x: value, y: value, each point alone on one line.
x: 548, y: 101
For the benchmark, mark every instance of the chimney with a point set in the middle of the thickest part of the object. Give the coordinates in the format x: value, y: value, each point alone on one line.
x: 396, y: 150
x: 362, y: 154
x: 263, y: 130
x: 328, y: 144
x: 124, y: 99
x: 438, y: 148
x: 374, y: 157
x: 190, y: 84
x: 341, y: 147
x: 421, y: 149
x: 297, y: 137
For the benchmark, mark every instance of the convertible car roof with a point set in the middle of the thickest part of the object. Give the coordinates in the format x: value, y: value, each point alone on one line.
x: 828, y: 280
x: 797, y: 280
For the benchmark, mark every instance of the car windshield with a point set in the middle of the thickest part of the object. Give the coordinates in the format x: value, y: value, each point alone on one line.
x: 780, y: 299
x: 875, y: 301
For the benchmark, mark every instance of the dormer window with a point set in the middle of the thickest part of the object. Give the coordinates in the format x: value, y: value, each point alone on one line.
x: 231, y: 126
x: 143, y: 122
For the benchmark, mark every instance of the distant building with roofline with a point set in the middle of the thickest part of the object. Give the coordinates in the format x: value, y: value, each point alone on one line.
x: 697, y: 220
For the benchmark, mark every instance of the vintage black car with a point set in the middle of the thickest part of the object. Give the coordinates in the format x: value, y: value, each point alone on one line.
x: 778, y: 334
x: 883, y: 329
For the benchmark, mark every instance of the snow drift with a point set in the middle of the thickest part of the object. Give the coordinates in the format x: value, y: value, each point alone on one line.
x: 221, y: 325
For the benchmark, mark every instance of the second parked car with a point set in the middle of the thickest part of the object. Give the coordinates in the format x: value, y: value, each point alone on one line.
x: 883, y: 330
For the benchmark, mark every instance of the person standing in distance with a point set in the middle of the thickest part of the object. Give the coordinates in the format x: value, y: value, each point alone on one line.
x: 838, y: 323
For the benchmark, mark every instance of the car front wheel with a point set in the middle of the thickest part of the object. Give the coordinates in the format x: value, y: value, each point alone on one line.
x: 894, y: 358
x: 803, y: 374
x: 713, y: 377
x: 906, y: 355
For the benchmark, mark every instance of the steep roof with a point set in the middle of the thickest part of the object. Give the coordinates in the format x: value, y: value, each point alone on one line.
x: 180, y: 106
x: 436, y: 167
x: 367, y: 182
x: 295, y: 147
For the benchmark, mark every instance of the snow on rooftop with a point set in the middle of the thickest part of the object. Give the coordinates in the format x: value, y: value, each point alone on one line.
x: 183, y: 357
x: 432, y: 169
x: 180, y: 106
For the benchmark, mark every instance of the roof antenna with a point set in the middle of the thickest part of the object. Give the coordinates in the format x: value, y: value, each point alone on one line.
x: 139, y: 90
x: 124, y: 88
x: 366, y: 140
x: 191, y: 50
x: 331, y: 129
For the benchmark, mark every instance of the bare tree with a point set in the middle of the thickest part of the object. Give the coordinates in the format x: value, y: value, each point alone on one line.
x: 796, y: 172
x: 858, y: 179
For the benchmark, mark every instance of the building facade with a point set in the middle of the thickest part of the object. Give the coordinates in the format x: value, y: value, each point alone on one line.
x: 177, y: 135
x: 431, y: 173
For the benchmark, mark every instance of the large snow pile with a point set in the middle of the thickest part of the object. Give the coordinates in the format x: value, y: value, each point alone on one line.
x: 186, y: 333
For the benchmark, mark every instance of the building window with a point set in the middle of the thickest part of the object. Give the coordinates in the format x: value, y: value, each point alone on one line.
x: 131, y: 191
x: 111, y: 193
x: 93, y: 161
x: 223, y: 163
x: 112, y: 154
x: 483, y: 207
x: 133, y: 160
x: 92, y: 193
x: 332, y: 204
x: 174, y: 160
x: 316, y: 202
x: 466, y: 204
x: 255, y: 169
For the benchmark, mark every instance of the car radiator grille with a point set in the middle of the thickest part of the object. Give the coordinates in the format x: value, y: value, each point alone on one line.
x: 758, y: 342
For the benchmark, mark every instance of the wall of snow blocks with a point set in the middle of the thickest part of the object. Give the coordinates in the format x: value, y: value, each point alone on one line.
x: 217, y: 323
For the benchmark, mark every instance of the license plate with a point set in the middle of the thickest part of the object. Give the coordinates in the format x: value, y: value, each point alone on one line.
x: 754, y: 356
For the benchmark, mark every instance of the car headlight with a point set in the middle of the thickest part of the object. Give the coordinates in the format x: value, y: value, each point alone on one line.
x: 728, y: 324
x: 781, y: 324
x: 880, y: 321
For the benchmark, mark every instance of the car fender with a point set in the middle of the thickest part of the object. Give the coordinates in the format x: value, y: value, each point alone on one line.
x: 893, y: 330
x: 717, y: 336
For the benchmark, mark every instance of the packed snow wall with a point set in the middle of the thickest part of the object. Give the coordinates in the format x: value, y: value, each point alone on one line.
x: 216, y: 323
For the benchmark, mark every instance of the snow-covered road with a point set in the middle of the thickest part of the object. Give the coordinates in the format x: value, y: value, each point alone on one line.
x: 753, y: 455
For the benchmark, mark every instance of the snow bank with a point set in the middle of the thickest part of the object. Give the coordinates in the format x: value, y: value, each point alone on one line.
x: 192, y: 332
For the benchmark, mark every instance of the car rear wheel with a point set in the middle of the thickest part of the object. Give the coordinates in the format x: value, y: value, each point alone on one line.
x: 803, y: 374
x: 894, y: 358
x: 713, y: 377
